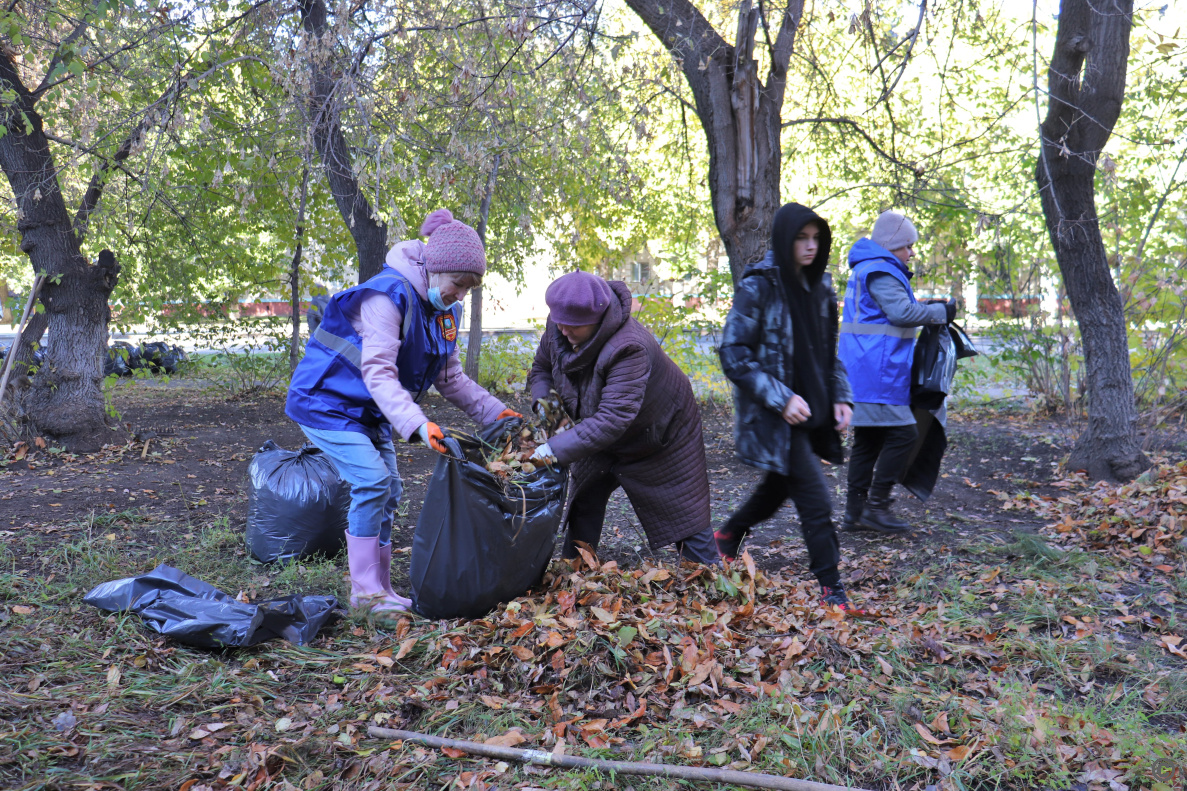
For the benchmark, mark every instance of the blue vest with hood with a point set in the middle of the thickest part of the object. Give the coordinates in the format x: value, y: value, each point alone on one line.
x: 877, y: 353
x: 327, y: 390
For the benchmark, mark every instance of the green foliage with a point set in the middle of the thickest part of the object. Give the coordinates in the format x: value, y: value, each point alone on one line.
x: 504, y: 363
x: 690, y: 342
x: 251, y: 359
x: 1045, y: 359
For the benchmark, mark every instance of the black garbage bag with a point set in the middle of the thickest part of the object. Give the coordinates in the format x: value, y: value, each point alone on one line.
x: 933, y: 367
x: 296, y: 504
x: 964, y: 344
x: 36, y: 362
x: 193, y: 612
x: 481, y: 541
x: 158, y: 357
x: 922, y: 469
x: 117, y: 359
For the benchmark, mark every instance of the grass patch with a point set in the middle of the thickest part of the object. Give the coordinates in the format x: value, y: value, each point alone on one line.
x: 1016, y: 667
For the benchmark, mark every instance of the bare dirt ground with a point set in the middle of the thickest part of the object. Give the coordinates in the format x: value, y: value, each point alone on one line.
x: 194, y: 470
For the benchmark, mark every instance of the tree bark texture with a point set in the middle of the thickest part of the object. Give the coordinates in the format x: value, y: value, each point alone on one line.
x: 740, y: 114
x: 474, y: 336
x: 64, y: 399
x: 370, y: 235
x: 1086, y: 84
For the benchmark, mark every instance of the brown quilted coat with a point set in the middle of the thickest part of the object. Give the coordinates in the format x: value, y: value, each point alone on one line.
x: 636, y: 418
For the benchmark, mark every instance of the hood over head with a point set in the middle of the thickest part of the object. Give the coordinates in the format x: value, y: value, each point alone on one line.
x: 788, y: 222
x: 865, y: 249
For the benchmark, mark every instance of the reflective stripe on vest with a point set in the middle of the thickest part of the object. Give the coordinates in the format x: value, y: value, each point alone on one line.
x: 347, y: 349
x: 877, y: 329
x: 344, y: 347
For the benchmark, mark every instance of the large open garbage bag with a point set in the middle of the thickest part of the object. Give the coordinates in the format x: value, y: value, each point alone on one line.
x: 481, y: 540
x: 296, y: 504
x: 195, y: 613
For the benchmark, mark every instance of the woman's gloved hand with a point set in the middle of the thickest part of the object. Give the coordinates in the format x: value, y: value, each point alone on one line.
x: 431, y: 435
x: 543, y: 454
x: 509, y: 413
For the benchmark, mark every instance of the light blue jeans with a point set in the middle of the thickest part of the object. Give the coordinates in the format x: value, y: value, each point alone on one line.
x: 370, y: 469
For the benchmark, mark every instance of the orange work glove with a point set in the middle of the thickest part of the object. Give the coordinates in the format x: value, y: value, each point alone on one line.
x: 509, y: 413
x: 430, y: 434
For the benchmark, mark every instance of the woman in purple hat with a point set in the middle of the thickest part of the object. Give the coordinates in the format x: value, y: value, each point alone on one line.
x: 377, y: 350
x: 638, y: 425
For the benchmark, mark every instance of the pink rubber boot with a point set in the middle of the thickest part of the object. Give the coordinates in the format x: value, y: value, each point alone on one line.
x: 366, y: 576
x: 385, y: 575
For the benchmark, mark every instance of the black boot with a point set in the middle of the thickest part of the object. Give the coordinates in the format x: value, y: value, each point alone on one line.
x: 729, y: 540
x: 877, y: 515
x: 855, y: 503
x: 835, y: 596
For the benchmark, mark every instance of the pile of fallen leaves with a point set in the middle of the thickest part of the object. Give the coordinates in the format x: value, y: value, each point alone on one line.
x: 1145, y: 518
x: 602, y: 650
x: 512, y: 458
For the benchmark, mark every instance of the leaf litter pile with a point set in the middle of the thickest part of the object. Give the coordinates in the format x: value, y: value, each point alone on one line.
x: 1020, y: 667
x: 512, y: 457
x: 1143, y: 519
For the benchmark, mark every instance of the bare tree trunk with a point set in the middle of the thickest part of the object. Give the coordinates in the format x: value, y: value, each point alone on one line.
x: 370, y: 235
x: 295, y: 273
x: 1086, y: 83
x: 474, y: 336
x: 64, y: 400
x: 740, y: 115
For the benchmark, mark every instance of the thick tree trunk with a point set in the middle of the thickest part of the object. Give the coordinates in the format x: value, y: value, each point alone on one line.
x: 64, y: 400
x: 740, y: 115
x: 370, y: 234
x: 474, y: 336
x: 1086, y: 82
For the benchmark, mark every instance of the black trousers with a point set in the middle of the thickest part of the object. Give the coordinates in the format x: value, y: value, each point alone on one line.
x: 879, y: 455
x: 587, y: 515
x: 805, y: 486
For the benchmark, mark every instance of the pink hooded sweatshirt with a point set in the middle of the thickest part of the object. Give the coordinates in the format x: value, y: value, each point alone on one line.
x: 379, y: 322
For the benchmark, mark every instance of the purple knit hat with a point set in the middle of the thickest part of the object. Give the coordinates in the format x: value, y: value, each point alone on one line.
x: 453, y: 246
x: 578, y: 298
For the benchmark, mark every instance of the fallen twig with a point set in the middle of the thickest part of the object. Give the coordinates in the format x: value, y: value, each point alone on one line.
x: 542, y: 758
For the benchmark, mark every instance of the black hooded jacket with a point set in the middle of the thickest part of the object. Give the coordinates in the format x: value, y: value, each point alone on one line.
x: 758, y: 347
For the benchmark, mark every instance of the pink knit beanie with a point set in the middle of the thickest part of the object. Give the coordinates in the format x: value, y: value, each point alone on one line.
x: 453, y: 246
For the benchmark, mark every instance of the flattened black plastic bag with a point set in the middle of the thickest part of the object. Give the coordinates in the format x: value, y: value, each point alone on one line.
x: 933, y: 368
x: 196, y: 613
x: 296, y: 505
x: 481, y: 541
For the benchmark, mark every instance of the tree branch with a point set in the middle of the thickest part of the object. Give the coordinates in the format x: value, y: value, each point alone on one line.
x: 82, y: 25
x: 849, y: 122
x: 902, y: 69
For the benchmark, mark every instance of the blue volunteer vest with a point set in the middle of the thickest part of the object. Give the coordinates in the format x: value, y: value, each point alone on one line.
x: 327, y: 390
x: 876, y: 353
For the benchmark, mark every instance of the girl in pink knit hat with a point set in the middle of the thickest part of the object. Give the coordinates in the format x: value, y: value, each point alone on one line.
x: 378, y: 349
